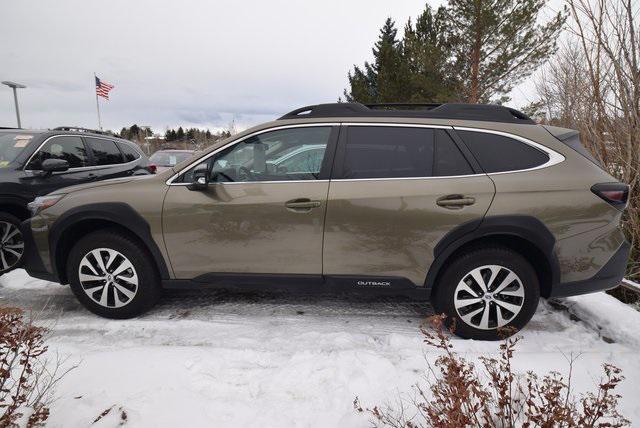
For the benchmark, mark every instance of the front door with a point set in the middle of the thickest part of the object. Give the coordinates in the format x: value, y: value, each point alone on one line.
x: 262, y: 212
x: 398, y: 190
x: 65, y: 147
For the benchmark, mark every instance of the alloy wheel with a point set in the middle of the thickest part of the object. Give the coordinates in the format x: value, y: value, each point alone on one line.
x: 11, y: 245
x: 108, y: 277
x: 489, y: 297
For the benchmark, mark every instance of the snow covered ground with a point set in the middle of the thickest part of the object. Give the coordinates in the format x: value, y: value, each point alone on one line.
x: 220, y: 359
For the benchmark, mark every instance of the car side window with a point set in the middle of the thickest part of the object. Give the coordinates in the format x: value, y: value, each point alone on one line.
x: 449, y: 159
x: 67, y: 148
x: 105, y: 152
x: 388, y: 152
x: 497, y: 153
x: 130, y: 154
x: 282, y: 155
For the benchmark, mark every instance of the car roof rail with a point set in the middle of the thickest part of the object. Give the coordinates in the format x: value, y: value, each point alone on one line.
x: 406, y: 106
x: 459, y: 111
x: 79, y: 129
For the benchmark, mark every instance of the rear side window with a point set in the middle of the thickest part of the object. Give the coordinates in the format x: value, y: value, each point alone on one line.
x: 497, y: 153
x: 130, y: 154
x: 397, y: 152
x: 388, y: 152
x: 67, y: 148
x: 449, y: 159
x: 105, y: 152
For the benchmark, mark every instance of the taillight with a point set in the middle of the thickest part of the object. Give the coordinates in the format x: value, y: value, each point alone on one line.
x: 617, y: 194
x: 152, y: 168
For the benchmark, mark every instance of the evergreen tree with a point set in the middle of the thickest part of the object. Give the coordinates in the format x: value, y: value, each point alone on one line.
x: 499, y: 43
x: 180, y: 134
x: 382, y: 80
x: 427, y: 52
x: 469, y: 50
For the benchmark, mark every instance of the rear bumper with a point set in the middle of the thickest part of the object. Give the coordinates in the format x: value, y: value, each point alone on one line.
x: 608, y: 277
x: 33, y: 261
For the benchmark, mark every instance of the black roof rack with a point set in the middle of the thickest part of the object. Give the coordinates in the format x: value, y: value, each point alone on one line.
x: 481, y: 112
x: 406, y: 106
x: 78, y: 129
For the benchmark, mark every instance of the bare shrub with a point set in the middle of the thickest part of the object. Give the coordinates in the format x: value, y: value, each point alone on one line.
x: 457, y: 394
x: 27, y: 379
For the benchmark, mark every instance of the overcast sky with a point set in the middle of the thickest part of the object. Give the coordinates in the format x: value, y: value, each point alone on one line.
x: 186, y: 62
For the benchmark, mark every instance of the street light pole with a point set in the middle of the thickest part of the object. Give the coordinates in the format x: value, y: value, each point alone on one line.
x: 15, y: 86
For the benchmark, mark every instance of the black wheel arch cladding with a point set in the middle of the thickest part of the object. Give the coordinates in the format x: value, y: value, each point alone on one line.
x: 122, y: 214
x: 521, y: 227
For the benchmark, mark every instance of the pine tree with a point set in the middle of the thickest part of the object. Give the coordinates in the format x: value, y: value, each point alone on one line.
x: 382, y: 80
x: 427, y: 52
x: 499, y: 42
x: 470, y: 50
x: 180, y: 134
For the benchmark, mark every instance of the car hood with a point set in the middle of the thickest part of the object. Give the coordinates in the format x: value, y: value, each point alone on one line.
x: 95, y: 184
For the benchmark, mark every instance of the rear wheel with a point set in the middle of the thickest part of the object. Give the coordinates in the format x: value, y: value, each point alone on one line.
x: 485, y: 290
x: 11, y: 243
x: 112, y: 275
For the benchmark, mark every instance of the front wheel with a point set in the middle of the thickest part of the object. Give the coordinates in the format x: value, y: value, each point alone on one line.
x: 113, y: 275
x: 487, y: 293
x: 11, y: 243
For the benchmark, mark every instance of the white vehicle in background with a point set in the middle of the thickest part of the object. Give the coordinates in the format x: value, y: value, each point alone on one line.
x: 165, y: 159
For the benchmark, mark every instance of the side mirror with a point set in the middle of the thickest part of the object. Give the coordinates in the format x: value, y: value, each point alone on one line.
x: 50, y: 166
x: 200, y: 178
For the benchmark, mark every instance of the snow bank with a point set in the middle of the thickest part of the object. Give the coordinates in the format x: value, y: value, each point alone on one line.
x: 217, y: 359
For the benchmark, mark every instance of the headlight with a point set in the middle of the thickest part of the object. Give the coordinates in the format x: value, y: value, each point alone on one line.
x: 43, y: 202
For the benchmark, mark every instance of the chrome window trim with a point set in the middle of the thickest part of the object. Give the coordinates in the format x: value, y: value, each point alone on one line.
x: 256, y: 182
x: 554, y: 157
x: 398, y: 125
x: 437, y: 177
x: 241, y: 139
x: 80, y: 168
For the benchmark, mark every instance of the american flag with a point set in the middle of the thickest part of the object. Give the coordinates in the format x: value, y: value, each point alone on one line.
x: 103, y: 88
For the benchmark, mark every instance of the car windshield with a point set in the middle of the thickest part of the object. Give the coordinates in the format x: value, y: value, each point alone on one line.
x: 11, y: 145
x: 169, y: 158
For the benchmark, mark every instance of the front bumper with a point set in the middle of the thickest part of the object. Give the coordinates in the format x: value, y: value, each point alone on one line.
x: 610, y: 276
x: 33, y: 261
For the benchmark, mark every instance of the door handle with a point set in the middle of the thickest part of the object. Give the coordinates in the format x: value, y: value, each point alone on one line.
x: 92, y: 176
x: 302, y: 204
x: 455, y: 201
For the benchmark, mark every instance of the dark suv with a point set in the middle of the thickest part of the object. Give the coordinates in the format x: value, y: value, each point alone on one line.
x: 34, y: 163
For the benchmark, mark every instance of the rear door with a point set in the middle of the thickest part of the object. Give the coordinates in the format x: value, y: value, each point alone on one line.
x: 108, y: 160
x: 397, y: 190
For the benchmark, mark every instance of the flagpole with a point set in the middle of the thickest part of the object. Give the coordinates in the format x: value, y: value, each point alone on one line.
x: 97, y: 103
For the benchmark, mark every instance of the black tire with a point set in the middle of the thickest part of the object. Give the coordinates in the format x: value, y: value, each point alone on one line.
x: 444, y: 299
x: 148, y: 281
x: 8, y: 260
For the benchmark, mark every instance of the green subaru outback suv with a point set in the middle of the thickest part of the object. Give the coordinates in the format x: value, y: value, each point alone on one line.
x: 476, y: 207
